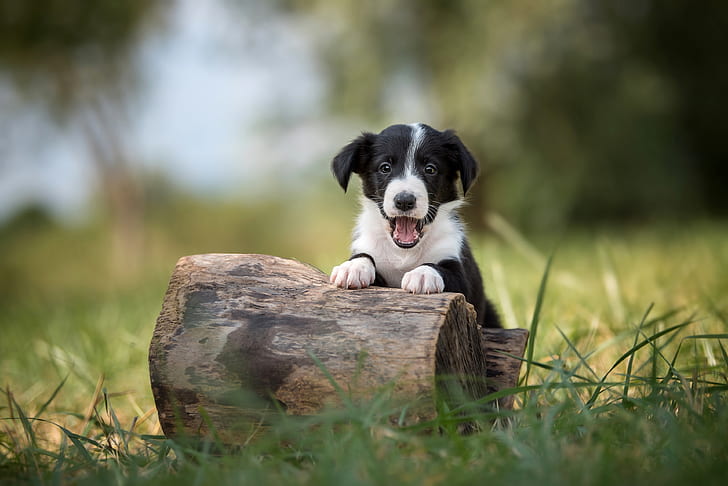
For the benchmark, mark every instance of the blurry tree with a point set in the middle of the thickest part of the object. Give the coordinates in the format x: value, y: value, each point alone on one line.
x: 685, y: 42
x: 582, y: 110
x: 74, y: 59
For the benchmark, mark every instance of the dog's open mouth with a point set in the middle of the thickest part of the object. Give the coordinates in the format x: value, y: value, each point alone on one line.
x: 406, y: 231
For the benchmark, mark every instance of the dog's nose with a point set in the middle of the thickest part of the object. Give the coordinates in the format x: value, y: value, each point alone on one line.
x: 404, y: 201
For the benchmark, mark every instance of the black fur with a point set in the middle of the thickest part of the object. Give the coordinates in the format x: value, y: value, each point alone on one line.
x: 464, y: 278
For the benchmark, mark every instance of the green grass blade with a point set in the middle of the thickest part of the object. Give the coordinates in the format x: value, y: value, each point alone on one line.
x: 723, y: 352
x: 533, y: 331
x: 630, y: 362
x: 212, y: 431
x: 60, y: 462
x: 543, y: 366
x: 524, y: 389
x: 120, y: 432
x: 25, y: 421
x: 52, y: 397
x: 582, y: 359
x: 633, y: 350
x: 707, y: 336
x: 339, y: 390
x: 657, y: 352
x: 696, y: 336
x: 77, y: 441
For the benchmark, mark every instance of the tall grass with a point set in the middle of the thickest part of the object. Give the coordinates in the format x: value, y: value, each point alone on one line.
x: 662, y: 420
x: 625, y: 381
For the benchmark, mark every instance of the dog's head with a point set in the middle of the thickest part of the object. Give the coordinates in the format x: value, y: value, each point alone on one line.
x: 408, y: 171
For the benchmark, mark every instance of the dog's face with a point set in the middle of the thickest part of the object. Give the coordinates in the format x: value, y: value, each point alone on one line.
x: 408, y: 171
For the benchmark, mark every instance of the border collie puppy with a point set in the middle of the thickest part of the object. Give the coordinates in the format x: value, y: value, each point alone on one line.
x: 409, y: 234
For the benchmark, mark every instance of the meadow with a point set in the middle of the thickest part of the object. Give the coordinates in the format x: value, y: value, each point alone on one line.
x: 626, y: 379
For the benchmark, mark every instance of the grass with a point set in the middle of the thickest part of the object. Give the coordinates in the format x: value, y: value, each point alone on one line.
x: 625, y: 380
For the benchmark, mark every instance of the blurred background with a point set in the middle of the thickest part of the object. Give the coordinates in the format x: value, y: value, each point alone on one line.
x: 137, y: 131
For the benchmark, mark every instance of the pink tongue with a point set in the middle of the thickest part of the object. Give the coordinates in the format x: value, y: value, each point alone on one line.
x: 405, y: 229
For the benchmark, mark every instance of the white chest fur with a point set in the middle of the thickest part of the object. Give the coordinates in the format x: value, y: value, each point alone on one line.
x: 442, y: 239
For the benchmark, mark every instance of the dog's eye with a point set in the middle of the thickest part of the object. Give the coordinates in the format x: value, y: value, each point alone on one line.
x: 385, y: 168
x: 430, y: 169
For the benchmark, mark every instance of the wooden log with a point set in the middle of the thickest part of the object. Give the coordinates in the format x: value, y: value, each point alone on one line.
x: 241, y: 337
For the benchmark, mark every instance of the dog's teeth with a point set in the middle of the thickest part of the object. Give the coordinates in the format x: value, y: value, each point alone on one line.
x: 406, y: 230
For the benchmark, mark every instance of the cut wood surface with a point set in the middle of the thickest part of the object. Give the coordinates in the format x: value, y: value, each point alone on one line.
x: 241, y: 337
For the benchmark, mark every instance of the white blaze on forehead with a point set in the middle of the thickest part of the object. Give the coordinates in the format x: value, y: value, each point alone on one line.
x: 418, y: 135
x: 410, y: 181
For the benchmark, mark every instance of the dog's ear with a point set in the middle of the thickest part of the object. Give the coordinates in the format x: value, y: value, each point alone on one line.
x: 463, y: 159
x: 352, y: 158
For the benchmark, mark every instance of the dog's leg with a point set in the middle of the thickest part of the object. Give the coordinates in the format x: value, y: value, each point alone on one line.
x: 357, y: 273
x: 423, y: 280
x: 429, y: 278
x: 460, y: 279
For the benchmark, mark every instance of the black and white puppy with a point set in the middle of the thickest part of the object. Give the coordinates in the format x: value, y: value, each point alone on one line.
x: 409, y: 234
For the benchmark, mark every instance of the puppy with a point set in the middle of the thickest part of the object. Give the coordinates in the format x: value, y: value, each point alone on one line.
x: 408, y: 233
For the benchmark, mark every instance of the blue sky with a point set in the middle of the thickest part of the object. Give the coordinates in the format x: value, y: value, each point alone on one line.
x: 210, y: 82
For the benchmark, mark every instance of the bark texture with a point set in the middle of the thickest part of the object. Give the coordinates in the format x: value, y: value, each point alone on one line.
x: 240, y: 337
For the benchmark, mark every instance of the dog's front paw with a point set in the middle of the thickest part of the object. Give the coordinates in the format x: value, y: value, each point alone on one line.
x: 423, y: 280
x: 354, y: 274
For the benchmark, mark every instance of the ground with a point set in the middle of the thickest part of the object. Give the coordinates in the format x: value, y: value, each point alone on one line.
x: 627, y: 378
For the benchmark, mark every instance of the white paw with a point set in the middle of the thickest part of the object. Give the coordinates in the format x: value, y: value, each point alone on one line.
x: 354, y: 274
x: 423, y: 280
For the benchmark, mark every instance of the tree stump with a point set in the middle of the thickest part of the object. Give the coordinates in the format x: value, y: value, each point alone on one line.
x: 242, y: 337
